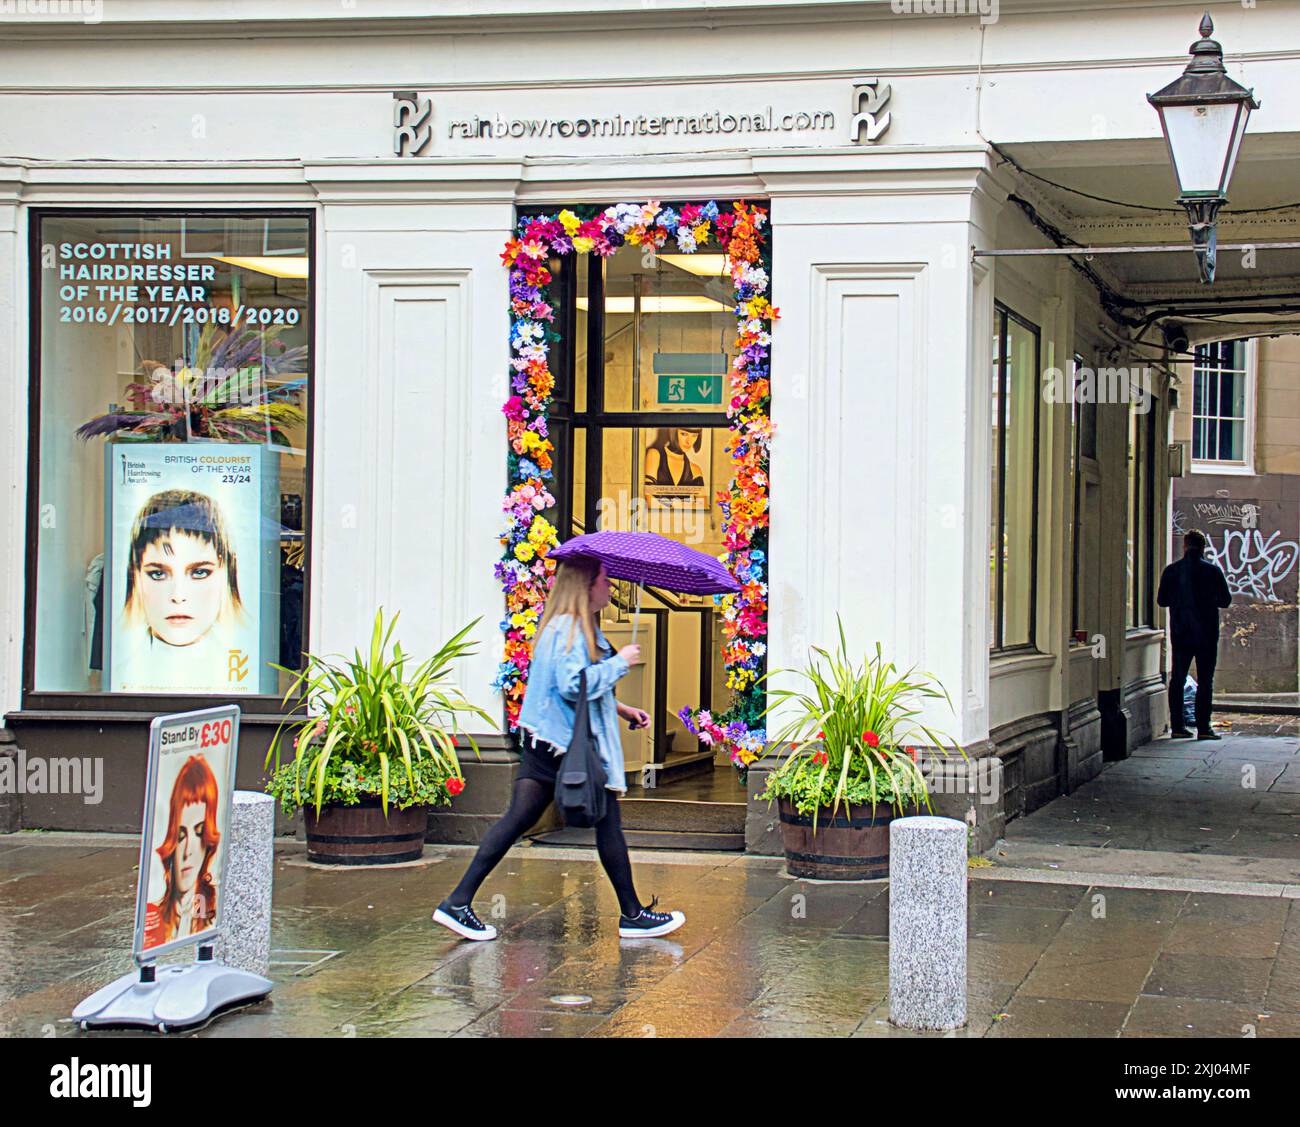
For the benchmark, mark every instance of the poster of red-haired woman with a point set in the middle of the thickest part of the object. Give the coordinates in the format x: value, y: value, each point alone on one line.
x: 187, y: 804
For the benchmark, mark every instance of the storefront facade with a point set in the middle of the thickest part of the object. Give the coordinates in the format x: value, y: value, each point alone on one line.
x: 350, y: 208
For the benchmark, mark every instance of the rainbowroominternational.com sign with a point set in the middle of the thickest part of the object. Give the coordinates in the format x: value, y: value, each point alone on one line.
x: 668, y: 118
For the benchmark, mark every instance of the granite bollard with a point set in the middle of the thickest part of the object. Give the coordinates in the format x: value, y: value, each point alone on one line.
x: 245, y: 908
x: 927, y: 923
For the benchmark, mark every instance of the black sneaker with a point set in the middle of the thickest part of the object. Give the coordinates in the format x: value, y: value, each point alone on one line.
x: 1208, y: 734
x: 648, y: 924
x: 1180, y: 734
x: 463, y: 922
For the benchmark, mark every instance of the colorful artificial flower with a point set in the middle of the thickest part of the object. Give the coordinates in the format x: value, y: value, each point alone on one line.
x: 871, y: 739
x: 525, y: 570
x: 455, y: 785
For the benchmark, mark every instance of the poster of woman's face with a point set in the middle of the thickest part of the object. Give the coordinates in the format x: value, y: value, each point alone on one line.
x: 677, y: 468
x: 183, y: 859
x: 185, y: 582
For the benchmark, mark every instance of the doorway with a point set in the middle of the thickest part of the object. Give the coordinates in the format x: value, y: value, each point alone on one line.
x: 645, y: 342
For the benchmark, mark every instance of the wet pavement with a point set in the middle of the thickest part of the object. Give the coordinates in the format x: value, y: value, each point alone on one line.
x: 1235, y: 798
x: 761, y: 955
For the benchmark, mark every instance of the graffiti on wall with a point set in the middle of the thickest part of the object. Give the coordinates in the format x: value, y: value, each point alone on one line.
x: 1256, y: 541
x: 1256, y: 562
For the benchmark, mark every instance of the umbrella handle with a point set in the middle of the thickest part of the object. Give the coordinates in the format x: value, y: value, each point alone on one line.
x: 636, y: 613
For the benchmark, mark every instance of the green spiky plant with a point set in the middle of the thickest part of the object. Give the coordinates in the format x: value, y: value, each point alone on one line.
x: 377, y: 725
x: 851, y: 736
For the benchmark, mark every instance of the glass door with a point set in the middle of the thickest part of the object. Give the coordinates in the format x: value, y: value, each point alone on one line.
x: 640, y: 429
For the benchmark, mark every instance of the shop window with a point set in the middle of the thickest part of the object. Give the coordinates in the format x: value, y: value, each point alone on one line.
x: 169, y: 446
x: 1222, y: 404
x: 1013, y: 543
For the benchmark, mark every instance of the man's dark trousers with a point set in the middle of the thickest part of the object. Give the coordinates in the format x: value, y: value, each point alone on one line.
x: 1206, y: 658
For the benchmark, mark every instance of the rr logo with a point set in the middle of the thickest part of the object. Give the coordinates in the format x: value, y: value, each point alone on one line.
x: 412, y: 129
x: 865, y: 115
x: 237, y: 668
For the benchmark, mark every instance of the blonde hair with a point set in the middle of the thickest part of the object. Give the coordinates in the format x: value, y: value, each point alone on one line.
x: 571, y: 594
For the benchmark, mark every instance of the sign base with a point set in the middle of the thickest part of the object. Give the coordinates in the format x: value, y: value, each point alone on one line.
x: 171, y: 997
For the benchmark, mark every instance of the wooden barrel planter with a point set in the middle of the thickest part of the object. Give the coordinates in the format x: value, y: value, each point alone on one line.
x: 361, y: 835
x: 853, y: 845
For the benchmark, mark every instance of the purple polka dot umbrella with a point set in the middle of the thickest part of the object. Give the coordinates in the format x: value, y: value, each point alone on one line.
x: 647, y: 557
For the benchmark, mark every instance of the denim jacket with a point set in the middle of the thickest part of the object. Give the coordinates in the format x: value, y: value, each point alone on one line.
x: 553, y: 684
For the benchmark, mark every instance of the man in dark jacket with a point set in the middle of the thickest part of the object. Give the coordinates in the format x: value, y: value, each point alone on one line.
x: 1193, y: 589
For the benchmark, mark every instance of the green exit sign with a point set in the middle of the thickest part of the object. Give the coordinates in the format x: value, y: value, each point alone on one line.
x: 695, y: 390
x: 689, y: 378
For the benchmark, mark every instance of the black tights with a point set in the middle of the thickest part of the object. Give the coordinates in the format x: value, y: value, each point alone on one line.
x: 527, y: 804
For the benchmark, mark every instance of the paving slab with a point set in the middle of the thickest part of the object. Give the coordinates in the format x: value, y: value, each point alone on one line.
x: 1052, y: 952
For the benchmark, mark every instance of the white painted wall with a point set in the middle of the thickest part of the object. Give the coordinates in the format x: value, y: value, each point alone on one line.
x: 881, y: 359
x: 410, y: 458
x: 875, y: 506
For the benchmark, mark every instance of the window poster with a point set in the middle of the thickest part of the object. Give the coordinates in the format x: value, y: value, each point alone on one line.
x: 677, y: 465
x: 186, y: 828
x: 191, y: 575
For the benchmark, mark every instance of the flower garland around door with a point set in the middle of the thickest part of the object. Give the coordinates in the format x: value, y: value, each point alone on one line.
x: 525, y: 570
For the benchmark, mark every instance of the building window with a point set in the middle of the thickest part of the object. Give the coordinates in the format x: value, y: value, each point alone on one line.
x: 1086, y: 485
x: 1222, y: 404
x: 1141, y: 529
x: 1076, y: 479
x: 169, y: 452
x: 1013, y: 542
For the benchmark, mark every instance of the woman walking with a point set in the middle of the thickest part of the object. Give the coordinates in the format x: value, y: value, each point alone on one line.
x: 568, y: 641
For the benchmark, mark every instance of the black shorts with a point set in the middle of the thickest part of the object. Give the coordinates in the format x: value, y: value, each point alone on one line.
x: 539, y: 762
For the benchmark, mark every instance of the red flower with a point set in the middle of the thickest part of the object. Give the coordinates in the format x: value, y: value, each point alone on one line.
x: 820, y: 758
x: 912, y: 752
x: 821, y: 735
x: 455, y: 785
x: 871, y: 739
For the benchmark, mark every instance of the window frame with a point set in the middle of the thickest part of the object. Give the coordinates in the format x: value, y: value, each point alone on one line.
x: 1139, y: 610
x: 1003, y: 315
x: 61, y: 702
x: 1244, y: 466
x: 1076, y: 492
